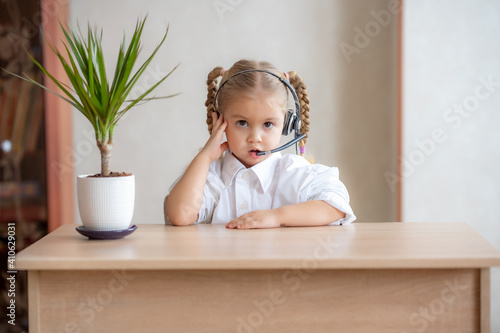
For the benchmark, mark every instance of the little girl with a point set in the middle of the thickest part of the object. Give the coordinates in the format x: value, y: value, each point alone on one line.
x: 234, y: 182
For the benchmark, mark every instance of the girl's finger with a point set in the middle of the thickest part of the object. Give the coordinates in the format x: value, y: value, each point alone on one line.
x: 217, y: 122
x: 221, y: 128
x: 214, y: 119
x: 220, y: 120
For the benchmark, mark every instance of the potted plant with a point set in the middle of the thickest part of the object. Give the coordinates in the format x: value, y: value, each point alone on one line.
x: 105, y: 200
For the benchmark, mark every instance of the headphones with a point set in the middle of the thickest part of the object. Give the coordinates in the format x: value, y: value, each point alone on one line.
x: 292, y: 119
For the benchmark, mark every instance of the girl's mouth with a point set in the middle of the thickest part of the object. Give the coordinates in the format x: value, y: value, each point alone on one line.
x: 254, y: 152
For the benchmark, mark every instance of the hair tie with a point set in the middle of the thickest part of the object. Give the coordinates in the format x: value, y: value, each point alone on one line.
x: 222, y: 71
x: 302, y: 150
x: 287, y: 77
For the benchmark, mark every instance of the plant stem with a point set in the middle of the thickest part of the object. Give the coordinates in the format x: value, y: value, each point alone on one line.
x: 105, y: 148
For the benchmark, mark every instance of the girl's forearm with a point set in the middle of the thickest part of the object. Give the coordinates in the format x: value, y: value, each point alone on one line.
x: 185, y: 199
x: 309, y: 213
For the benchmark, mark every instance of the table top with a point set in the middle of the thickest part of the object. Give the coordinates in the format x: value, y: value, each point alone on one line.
x: 206, y: 246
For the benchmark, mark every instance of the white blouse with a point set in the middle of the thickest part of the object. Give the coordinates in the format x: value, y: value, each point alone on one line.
x: 232, y: 190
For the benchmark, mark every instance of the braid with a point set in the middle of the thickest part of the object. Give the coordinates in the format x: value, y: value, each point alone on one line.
x: 300, y: 88
x: 211, y: 91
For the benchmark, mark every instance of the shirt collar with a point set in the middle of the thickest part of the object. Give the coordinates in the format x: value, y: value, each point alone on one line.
x: 264, y: 170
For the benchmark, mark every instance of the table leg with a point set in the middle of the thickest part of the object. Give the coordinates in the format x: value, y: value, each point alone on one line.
x: 485, y: 300
x: 34, y: 301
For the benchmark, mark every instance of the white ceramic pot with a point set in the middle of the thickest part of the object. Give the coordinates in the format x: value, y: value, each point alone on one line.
x: 106, y: 203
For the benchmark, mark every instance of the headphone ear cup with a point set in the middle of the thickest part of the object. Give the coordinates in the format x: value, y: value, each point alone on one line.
x: 289, y: 123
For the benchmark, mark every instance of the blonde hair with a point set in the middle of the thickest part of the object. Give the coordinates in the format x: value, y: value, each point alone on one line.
x: 246, y: 83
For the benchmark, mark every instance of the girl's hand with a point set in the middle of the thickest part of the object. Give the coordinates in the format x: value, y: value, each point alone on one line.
x: 213, y: 148
x: 256, y: 219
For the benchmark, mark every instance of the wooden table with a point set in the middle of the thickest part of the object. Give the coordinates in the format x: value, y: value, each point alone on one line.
x: 362, y: 277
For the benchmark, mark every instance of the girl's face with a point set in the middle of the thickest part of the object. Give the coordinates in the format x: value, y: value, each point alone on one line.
x: 254, y: 124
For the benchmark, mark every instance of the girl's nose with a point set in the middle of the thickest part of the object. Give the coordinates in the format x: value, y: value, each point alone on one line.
x: 255, y: 136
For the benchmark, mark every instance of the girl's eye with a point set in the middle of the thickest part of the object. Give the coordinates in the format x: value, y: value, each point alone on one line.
x: 242, y: 123
x: 268, y: 124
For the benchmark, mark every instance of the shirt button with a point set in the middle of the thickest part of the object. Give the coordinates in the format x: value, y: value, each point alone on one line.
x: 243, y: 206
x: 245, y: 175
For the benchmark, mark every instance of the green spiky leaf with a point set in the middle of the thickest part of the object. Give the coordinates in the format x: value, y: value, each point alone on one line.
x: 101, y: 102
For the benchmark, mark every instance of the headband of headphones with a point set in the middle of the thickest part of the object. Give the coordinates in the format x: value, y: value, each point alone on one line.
x: 291, y: 122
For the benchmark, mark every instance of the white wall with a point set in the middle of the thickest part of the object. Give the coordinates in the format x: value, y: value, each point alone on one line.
x: 450, y: 49
x: 352, y: 102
